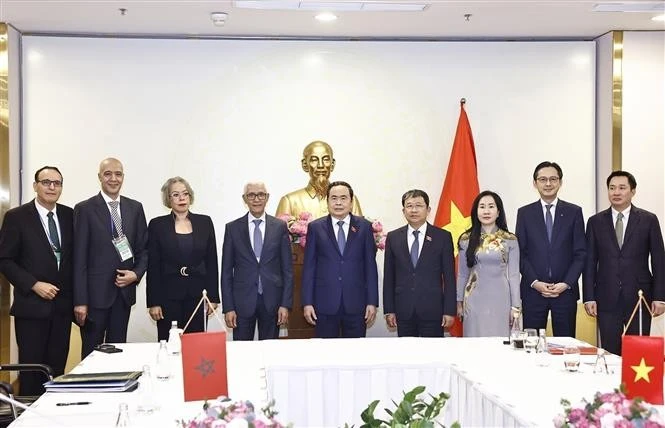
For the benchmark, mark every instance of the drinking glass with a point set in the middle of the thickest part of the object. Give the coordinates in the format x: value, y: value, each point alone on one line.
x: 571, y: 358
x: 531, y: 339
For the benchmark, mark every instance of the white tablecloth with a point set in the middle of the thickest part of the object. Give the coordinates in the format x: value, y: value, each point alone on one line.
x: 321, y: 383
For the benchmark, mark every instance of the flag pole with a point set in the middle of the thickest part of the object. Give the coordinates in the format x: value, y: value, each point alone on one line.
x: 639, y: 302
x: 638, y: 308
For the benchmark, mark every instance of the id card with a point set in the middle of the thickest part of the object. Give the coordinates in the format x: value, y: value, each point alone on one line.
x: 122, y: 247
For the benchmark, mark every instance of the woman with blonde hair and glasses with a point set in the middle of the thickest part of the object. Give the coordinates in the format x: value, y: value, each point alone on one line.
x: 488, y: 273
x: 182, y: 261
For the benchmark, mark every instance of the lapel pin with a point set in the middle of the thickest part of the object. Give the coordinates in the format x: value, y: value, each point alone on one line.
x: 353, y: 229
x: 429, y: 238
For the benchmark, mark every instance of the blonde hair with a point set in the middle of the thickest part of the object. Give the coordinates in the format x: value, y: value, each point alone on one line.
x: 166, y: 190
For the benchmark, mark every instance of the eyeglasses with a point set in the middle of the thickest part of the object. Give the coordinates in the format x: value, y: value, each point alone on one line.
x: 177, y: 195
x: 261, y: 196
x: 48, y: 183
x: 417, y: 207
x: 544, y: 180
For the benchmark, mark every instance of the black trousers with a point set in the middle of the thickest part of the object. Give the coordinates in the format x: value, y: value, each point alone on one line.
x: 105, y: 326
x: 267, y: 323
x: 43, y: 341
x: 611, y: 322
x: 180, y: 311
x: 414, y: 326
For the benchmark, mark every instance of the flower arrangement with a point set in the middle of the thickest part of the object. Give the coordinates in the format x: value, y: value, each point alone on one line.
x: 379, y: 234
x: 611, y: 409
x: 297, y: 226
x: 225, y: 413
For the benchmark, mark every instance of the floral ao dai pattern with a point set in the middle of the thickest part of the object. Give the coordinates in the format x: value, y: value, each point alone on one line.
x: 491, y: 286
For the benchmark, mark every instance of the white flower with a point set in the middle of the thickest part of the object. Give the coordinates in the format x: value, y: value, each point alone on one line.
x: 238, y: 423
x: 609, y: 419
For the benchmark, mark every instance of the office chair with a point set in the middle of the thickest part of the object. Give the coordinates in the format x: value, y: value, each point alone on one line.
x: 9, y: 412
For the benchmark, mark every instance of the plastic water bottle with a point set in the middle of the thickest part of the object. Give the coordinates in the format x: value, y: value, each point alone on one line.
x: 174, y: 344
x: 163, y: 369
x: 542, y: 353
x: 146, y: 400
x: 516, y: 332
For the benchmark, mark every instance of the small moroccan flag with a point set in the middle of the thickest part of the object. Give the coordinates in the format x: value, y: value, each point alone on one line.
x: 204, y: 373
x: 459, y: 190
x: 642, y: 367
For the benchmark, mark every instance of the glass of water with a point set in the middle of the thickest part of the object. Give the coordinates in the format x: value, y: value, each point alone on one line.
x: 531, y: 339
x: 571, y: 358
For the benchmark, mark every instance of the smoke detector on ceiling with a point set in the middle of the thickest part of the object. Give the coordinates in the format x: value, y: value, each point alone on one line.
x: 219, y: 18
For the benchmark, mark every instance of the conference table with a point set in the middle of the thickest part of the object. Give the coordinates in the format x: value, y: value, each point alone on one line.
x: 327, y: 383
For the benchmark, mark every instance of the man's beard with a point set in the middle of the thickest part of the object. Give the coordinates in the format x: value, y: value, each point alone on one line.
x: 320, y: 184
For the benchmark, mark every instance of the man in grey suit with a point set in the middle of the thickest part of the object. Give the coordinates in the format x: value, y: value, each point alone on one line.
x: 110, y: 257
x: 257, y: 270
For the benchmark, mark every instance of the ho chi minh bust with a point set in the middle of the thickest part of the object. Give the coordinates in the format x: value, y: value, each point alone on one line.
x: 318, y: 162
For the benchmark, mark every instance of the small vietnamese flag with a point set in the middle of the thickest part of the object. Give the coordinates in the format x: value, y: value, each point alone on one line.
x: 642, y: 367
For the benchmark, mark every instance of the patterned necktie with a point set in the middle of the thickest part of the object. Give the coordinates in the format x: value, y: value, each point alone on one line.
x: 53, y: 232
x: 258, y: 246
x: 115, y: 216
x: 549, y: 222
x: 618, y: 229
x: 341, y: 239
x: 415, y: 247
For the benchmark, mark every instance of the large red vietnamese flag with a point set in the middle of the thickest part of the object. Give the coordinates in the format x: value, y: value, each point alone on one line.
x: 642, y: 367
x: 459, y: 189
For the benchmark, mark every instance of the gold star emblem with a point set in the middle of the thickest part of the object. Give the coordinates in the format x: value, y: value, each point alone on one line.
x: 642, y: 371
x: 458, y: 224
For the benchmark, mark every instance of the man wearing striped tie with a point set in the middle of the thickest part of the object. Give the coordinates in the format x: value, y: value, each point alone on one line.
x: 110, y: 258
x: 36, y: 242
x: 621, y: 241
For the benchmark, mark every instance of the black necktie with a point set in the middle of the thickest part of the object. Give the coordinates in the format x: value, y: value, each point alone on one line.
x: 53, y: 232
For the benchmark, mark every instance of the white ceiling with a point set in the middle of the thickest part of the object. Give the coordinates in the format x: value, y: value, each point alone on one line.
x: 521, y: 19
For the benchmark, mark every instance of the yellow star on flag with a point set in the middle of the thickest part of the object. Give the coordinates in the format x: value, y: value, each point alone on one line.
x: 458, y: 224
x: 642, y: 371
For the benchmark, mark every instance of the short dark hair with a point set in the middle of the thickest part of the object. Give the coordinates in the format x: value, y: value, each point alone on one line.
x: 628, y: 175
x: 47, y: 167
x: 415, y: 193
x: 547, y: 164
x: 340, y: 183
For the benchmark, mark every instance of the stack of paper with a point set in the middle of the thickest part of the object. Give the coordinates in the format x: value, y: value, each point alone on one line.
x: 94, y: 382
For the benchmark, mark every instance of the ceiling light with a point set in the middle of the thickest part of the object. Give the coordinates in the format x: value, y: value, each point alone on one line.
x: 645, y: 7
x: 326, y: 17
x: 219, y: 18
x: 658, y: 18
x: 334, y: 6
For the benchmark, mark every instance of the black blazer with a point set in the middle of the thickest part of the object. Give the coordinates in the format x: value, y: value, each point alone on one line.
x: 429, y: 288
x: 26, y: 257
x: 166, y: 259
x: 610, y: 270
x: 95, y: 257
x: 564, y: 256
x: 240, y: 269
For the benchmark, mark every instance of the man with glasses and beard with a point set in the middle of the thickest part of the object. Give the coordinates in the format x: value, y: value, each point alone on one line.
x: 318, y: 162
x: 257, y: 273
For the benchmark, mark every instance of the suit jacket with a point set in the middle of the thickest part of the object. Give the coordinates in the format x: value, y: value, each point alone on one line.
x: 561, y: 260
x: 429, y: 288
x: 95, y: 256
x: 26, y: 257
x: 331, y: 279
x: 241, y: 270
x: 611, y: 271
x: 166, y: 259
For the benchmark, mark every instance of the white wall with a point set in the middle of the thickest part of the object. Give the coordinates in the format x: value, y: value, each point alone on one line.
x: 221, y: 113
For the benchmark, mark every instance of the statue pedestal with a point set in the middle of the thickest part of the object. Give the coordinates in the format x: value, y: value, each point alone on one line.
x: 299, y: 328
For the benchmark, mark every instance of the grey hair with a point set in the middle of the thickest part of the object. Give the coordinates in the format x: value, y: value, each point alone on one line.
x: 166, y: 190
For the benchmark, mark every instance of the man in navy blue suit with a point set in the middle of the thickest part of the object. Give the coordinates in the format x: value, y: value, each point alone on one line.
x: 340, y: 291
x: 552, y: 254
x: 623, y: 241
x: 419, y: 273
x: 257, y: 270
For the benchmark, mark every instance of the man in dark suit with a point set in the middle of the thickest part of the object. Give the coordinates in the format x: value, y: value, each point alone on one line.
x: 257, y: 270
x: 110, y: 257
x: 340, y: 289
x: 620, y: 241
x: 552, y: 244
x: 419, y: 273
x: 36, y: 242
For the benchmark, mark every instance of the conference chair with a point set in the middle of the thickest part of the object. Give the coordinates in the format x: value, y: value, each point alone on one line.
x: 9, y: 412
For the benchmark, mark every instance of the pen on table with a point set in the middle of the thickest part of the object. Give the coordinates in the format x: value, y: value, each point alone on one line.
x: 75, y: 403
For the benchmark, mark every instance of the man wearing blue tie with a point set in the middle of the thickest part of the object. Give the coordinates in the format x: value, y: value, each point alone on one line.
x: 419, y: 273
x: 257, y: 270
x: 340, y: 290
x: 552, y: 244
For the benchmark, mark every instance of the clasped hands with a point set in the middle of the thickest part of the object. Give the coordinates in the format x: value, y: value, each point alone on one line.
x: 550, y: 289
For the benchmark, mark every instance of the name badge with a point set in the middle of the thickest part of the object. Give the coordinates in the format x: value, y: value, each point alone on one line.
x: 122, y: 247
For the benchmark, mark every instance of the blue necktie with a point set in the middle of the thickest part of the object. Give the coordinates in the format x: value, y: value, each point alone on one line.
x: 549, y: 222
x: 414, y: 248
x: 341, y: 239
x: 258, y: 246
